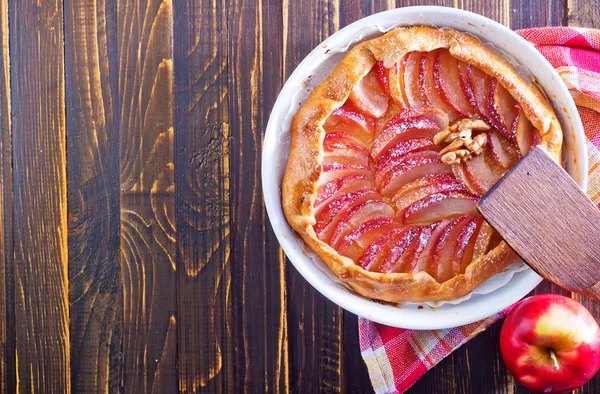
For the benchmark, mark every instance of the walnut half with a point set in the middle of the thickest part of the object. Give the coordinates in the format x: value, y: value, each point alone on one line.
x: 462, y: 145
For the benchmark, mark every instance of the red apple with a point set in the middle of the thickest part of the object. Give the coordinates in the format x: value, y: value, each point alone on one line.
x: 346, y: 184
x: 481, y: 84
x: 411, y: 169
x: 382, y: 77
x: 550, y: 343
x: 439, y: 206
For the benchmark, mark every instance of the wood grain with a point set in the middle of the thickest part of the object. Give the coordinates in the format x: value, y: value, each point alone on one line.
x: 257, y: 266
x: 315, y: 325
x: 95, y: 289
x: 203, y: 198
x: 7, y: 345
x: 586, y: 14
x: 148, y: 250
x: 40, y: 197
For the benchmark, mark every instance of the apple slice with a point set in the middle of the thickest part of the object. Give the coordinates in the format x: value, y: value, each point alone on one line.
x: 407, y: 125
x: 401, y: 204
x: 412, y: 67
x: 465, y: 244
x: 418, y: 248
x: 482, y: 172
x: 357, y: 216
x: 410, y: 170
x: 421, y: 182
x: 503, y: 152
x: 369, y: 97
x: 374, y: 255
x: 347, y: 119
x: 386, y: 169
x: 347, y: 184
x: 403, y: 148
x: 464, y: 72
x: 524, y: 133
x: 395, y: 76
x: 424, y: 261
x: 504, y: 109
x: 459, y: 172
x: 427, y: 84
x: 342, y: 170
x: 483, y: 240
x: 400, y: 250
x: 344, y: 151
x: 329, y: 214
x: 364, y: 235
x: 439, y: 206
x: 481, y: 83
x: 382, y: 77
x: 449, y: 84
x: 444, y: 256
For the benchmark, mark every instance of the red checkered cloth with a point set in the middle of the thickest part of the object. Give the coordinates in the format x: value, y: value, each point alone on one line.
x: 397, y: 358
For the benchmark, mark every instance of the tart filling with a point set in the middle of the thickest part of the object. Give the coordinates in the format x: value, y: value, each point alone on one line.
x: 391, y: 152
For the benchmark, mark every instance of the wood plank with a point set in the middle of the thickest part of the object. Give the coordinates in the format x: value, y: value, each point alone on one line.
x: 315, y: 323
x: 40, y: 196
x: 586, y: 14
x: 537, y: 13
x: 582, y: 13
x: 147, y: 216
x: 7, y: 340
x: 95, y: 289
x: 257, y: 265
x: 498, y: 10
x: 202, y: 198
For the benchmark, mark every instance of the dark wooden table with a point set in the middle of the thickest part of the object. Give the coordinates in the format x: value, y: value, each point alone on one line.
x: 136, y: 255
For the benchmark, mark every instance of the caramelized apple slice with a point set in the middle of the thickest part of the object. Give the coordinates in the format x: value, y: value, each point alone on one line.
x: 402, y: 149
x: 332, y: 172
x: 327, y: 215
x: 364, y: 235
x: 524, y: 133
x: 419, y: 247
x: 449, y: 84
x: 444, y: 256
x: 357, y: 216
x: 482, y: 172
x: 421, y: 182
x: 393, y: 110
x: 412, y: 67
x: 385, y: 170
x: 346, y: 184
x: 439, y: 206
x: 505, y: 109
x: 464, y: 72
x: 424, y: 262
x: 369, y: 97
x: 428, y: 85
x: 503, y: 152
x: 465, y: 244
x: 402, y: 203
x: 407, y: 125
x: 374, y: 255
x: 382, y: 77
x: 481, y: 83
x: 348, y: 120
x: 400, y: 251
x: 483, y: 240
x: 396, y: 82
x: 459, y: 172
x: 410, y: 170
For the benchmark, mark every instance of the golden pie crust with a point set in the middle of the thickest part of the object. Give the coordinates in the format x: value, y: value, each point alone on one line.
x: 304, y: 165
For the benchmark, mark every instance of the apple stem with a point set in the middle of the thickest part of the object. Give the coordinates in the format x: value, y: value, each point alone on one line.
x: 554, y: 360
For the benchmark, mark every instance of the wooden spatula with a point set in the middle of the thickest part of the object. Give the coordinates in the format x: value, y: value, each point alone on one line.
x: 543, y: 215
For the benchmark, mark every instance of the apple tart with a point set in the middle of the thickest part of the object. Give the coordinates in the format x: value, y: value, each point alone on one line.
x: 391, y: 152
